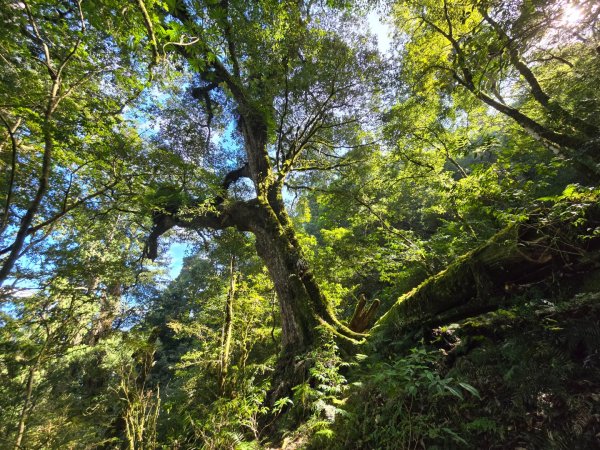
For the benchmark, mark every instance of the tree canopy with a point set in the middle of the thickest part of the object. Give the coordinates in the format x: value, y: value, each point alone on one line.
x: 313, y: 181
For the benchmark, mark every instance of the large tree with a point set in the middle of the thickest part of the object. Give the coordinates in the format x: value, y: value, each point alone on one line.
x: 293, y: 87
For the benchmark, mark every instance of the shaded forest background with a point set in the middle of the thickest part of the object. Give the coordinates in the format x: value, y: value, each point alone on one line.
x: 444, y: 192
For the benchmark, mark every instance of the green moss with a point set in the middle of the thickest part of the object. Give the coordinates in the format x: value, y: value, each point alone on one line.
x: 465, y: 280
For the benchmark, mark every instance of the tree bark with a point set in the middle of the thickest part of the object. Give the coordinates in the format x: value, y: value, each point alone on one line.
x: 298, y: 316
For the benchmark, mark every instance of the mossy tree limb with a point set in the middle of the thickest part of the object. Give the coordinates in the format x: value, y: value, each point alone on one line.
x: 521, y: 254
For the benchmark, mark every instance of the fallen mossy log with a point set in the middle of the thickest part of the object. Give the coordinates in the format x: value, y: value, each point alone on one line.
x: 549, y: 244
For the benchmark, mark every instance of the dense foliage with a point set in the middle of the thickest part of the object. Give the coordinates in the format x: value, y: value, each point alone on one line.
x: 312, y: 179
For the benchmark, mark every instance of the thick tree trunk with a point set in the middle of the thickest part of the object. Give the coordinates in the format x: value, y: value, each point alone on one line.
x: 303, y: 305
x: 305, y: 312
x: 479, y: 281
x: 298, y: 316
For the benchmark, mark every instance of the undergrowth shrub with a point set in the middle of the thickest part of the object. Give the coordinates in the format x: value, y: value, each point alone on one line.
x: 400, y: 405
x: 316, y: 401
x: 537, y: 369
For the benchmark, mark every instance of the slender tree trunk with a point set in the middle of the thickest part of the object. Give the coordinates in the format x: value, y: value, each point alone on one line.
x: 43, y: 183
x: 25, y: 410
x: 13, y: 169
x: 227, y: 325
x: 586, y: 164
x: 569, y: 146
x: 28, y: 394
x: 554, y: 108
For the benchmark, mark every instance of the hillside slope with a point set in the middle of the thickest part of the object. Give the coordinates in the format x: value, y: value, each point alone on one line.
x: 501, y: 350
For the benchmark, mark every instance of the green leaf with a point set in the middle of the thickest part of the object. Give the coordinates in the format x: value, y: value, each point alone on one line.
x: 467, y: 387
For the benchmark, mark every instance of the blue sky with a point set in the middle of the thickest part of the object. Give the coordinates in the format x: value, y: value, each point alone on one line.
x: 177, y: 251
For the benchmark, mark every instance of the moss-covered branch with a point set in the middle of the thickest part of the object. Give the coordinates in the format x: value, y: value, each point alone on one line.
x: 545, y: 245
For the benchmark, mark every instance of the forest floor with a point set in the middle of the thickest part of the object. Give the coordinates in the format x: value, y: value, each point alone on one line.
x: 472, y: 359
x: 525, y: 376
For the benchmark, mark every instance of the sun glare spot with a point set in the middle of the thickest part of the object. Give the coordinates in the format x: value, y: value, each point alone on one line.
x: 571, y: 14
